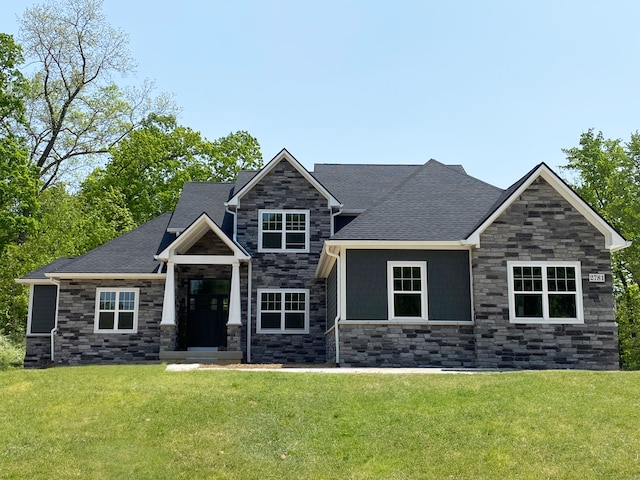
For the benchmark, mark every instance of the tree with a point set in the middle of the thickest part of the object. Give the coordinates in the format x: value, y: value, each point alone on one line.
x: 18, y: 180
x: 607, y: 175
x: 150, y: 166
x: 74, y: 111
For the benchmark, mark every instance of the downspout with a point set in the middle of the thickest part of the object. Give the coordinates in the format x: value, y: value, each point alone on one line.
x: 335, y: 320
x: 54, y: 330
x: 249, y: 312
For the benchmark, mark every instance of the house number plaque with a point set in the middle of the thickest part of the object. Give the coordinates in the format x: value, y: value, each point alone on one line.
x: 596, y: 277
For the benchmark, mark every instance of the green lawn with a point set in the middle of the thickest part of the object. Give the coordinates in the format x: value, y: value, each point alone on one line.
x: 142, y: 422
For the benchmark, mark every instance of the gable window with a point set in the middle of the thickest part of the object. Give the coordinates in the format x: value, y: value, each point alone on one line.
x: 283, y: 311
x: 283, y: 230
x: 407, y: 290
x: 116, y: 310
x: 545, y: 292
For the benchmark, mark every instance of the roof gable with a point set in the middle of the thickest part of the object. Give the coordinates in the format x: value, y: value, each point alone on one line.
x: 284, y: 155
x: 195, y: 232
x: 434, y: 203
x: 613, y: 240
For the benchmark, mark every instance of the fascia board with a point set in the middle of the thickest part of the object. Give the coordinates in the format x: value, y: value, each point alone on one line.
x: 194, y: 231
x: 107, y: 276
x: 34, y: 281
x: 400, y: 244
x: 283, y: 155
x: 613, y: 240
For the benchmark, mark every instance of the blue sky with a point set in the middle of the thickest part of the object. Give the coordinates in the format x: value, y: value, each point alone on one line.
x: 497, y: 86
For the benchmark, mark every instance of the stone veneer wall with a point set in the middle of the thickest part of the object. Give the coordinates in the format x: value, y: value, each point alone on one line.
x: 38, y: 351
x: 77, y: 344
x: 404, y: 345
x: 540, y: 226
x: 284, y: 188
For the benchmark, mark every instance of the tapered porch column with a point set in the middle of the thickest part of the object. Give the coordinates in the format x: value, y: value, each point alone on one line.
x: 169, y: 303
x: 234, y: 296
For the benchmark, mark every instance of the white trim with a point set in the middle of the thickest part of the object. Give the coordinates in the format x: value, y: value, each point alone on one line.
x: 193, y: 233
x: 283, y: 231
x: 391, y: 316
x: 408, y: 322
x: 283, y: 155
x: 30, y: 308
x: 203, y: 259
x: 117, y: 291
x: 34, y: 281
x: 107, y: 276
x: 546, y: 319
x: 400, y: 244
x: 613, y: 240
x: 282, y: 329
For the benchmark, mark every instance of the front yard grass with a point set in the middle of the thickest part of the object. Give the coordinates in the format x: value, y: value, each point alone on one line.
x: 142, y: 422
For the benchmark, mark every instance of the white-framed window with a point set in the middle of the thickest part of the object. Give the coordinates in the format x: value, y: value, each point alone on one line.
x: 116, y: 310
x: 545, y: 292
x: 407, y: 290
x: 283, y: 311
x: 281, y: 230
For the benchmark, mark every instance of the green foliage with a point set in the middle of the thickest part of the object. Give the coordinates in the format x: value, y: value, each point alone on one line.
x: 12, y: 85
x: 11, y: 353
x: 149, y: 168
x: 83, y: 423
x: 607, y: 175
x: 74, y: 111
x: 67, y: 226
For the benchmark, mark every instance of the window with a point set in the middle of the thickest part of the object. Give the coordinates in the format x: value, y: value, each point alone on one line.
x: 545, y: 292
x: 407, y: 288
x: 116, y: 310
x: 283, y: 311
x: 283, y: 230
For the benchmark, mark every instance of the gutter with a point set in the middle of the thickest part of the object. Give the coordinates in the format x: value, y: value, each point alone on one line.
x: 335, y: 320
x: 54, y: 330
x: 249, y: 298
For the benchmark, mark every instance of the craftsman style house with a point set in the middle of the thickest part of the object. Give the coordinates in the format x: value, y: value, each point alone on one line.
x: 357, y: 265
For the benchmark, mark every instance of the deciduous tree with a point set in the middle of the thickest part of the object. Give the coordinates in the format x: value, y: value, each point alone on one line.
x: 606, y: 173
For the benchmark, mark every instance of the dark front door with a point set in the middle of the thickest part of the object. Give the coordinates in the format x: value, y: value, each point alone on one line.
x: 208, y: 312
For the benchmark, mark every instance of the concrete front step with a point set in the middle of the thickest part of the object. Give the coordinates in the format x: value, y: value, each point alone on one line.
x: 213, y: 358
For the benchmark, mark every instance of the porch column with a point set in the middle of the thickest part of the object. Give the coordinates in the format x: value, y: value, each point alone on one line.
x: 169, y: 303
x: 234, y: 296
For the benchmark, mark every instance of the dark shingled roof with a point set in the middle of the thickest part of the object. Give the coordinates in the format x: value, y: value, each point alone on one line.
x: 359, y: 186
x: 132, y: 252
x: 52, y: 267
x: 199, y: 197
x: 435, y: 203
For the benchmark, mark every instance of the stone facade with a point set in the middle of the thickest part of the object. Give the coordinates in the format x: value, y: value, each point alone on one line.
x: 77, y: 344
x: 285, y: 188
x: 38, y: 351
x: 379, y: 345
x: 541, y: 226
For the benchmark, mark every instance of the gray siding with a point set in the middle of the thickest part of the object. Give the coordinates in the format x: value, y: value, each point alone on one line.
x: 448, y: 288
x: 540, y: 226
x: 43, y: 308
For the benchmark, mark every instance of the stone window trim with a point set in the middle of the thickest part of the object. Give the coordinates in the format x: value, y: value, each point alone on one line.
x: 282, y: 305
x: 118, y: 309
x: 283, y: 227
x: 407, y: 291
x: 545, y: 283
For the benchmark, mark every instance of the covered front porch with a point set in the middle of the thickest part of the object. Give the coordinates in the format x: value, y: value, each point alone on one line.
x: 202, y: 312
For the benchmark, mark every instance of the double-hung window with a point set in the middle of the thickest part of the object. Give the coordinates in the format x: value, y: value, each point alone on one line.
x: 407, y: 290
x: 545, y: 292
x: 116, y: 310
x: 283, y: 230
x: 283, y: 311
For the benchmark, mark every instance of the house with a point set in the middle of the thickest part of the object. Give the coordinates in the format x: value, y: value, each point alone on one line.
x: 358, y: 265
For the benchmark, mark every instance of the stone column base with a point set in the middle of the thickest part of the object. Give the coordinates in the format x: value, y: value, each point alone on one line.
x: 233, y: 338
x: 168, y: 338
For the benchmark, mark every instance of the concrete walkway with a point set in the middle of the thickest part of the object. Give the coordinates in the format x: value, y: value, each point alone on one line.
x: 185, y: 367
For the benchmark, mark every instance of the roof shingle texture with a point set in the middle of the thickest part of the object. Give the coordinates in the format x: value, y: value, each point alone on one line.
x: 132, y: 252
x: 434, y: 203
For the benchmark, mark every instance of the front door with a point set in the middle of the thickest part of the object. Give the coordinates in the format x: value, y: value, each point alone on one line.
x: 208, y: 312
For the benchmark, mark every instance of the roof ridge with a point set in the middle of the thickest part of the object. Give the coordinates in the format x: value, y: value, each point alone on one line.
x: 450, y: 167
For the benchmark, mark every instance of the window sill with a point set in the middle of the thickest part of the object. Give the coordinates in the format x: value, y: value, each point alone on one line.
x: 547, y: 321
x: 281, y: 332
x: 407, y: 322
